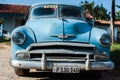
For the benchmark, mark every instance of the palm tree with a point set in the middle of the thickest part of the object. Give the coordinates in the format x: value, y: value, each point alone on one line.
x: 117, y: 16
x: 100, y: 13
x: 88, y: 6
x: 118, y: 6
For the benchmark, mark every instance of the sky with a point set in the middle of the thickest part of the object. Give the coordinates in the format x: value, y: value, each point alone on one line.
x: 106, y: 3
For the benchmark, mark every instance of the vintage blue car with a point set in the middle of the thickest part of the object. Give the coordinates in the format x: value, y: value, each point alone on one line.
x: 58, y: 38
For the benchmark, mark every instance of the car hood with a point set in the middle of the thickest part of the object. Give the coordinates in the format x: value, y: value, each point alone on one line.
x: 60, y: 30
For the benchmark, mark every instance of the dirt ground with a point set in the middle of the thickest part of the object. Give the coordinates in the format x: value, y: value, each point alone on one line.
x: 7, y: 72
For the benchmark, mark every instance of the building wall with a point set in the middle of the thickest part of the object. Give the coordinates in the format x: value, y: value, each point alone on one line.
x: 1, y: 28
x: 9, y: 23
x: 19, y: 21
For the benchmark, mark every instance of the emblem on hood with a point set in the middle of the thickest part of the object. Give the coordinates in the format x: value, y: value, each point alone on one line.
x: 63, y: 36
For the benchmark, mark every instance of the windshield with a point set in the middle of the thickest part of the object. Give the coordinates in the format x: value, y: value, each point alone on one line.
x: 70, y: 11
x: 64, y: 11
x: 44, y: 11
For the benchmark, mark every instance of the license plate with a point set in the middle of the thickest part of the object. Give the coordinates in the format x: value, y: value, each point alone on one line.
x: 66, y: 69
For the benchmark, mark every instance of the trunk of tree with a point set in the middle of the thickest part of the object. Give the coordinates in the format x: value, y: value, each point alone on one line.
x: 112, y: 20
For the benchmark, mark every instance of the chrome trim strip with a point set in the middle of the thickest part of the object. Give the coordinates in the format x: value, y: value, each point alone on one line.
x: 59, y: 43
x: 62, y: 36
x: 62, y: 51
x: 43, y: 62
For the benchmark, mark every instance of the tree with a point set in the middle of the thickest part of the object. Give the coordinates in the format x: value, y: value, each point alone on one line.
x: 98, y: 12
x: 118, y: 6
x: 112, y: 20
x: 117, y: 15
x: 88, y: 6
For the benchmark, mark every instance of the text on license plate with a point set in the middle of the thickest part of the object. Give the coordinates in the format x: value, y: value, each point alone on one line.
x: 66, y: 69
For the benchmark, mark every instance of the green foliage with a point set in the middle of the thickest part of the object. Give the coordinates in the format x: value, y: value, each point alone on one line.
x: 115, y: 53
x: 118, y: 6
x: 98, y: 12
x: 88, y: 6
x: 115, y: 57
x: 115, y: 47
x: 117, y: 16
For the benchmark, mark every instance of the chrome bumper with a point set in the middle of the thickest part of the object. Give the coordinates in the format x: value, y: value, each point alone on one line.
x: 49, y: 65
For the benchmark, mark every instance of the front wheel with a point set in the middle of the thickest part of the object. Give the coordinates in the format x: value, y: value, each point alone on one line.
x: 21, y: 72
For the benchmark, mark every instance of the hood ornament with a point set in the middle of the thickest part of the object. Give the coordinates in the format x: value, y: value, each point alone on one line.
x: 63, y: 36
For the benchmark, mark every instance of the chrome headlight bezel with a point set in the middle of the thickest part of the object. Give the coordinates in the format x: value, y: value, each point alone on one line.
x: 23, y: 56
x: 105, y: 40
x: 18, y: 37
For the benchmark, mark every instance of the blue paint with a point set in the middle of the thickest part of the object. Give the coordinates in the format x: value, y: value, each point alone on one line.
x: 43, y: 30
x: 57, y: 29
x: 53, y: 26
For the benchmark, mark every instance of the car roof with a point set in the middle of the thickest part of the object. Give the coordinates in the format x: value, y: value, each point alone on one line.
x: 57, y: 3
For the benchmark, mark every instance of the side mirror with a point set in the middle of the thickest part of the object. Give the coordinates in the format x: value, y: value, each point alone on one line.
x: 26, y: 17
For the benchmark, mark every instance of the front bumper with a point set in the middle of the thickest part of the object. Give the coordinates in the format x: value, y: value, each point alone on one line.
x: 49, y: 65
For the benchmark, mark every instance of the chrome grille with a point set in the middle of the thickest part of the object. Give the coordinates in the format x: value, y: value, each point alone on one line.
x: 61, y: 51
x: 61, y: 56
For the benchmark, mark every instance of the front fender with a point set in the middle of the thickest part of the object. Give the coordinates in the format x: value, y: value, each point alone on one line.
x: 30, y: 38
x: 95, y: 36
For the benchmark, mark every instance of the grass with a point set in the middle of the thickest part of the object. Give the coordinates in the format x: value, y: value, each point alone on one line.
x: 115, y: 57
x: 7, y: 42
x: 115, y: 52
x: 115, y: 47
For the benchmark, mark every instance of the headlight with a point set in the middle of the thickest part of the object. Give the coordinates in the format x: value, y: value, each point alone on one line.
x: 105, y: 40
x: 18, y: 38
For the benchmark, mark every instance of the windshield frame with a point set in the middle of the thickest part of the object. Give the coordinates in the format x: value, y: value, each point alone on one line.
x: 57, y: 12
